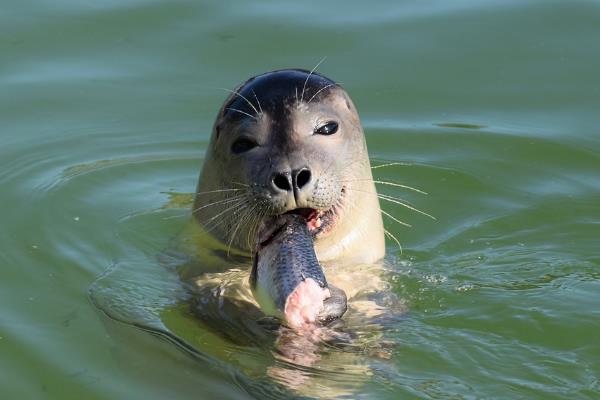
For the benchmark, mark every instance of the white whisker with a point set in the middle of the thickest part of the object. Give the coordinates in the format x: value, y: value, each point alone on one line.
x: 395, y: 219
x: 388, y: 234
x: 388, y: 183
x: 400, y: 186
x: 221, y: 201
x: 217, y: 191
x: 392, y: 164
x: 243, y: 97
x: 308, y: 77
x: 240, y: 184
x: 257, y: 101
x: 236, y: 206
x: 404, y: 204
x: 320, y: 90
x: 241, y: 221
x: 242, y: 112
x: 394, y: 200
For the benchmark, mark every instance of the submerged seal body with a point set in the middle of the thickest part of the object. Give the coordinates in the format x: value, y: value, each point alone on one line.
x: 290, y: 141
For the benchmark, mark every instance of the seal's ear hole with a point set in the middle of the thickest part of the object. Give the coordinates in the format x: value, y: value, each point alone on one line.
x: 329, y: 128
x: 348, y: 105
x: 242, y: 145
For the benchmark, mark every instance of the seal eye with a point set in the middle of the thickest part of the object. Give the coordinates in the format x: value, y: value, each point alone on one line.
x: 329, y: 128
x: 243, y: 145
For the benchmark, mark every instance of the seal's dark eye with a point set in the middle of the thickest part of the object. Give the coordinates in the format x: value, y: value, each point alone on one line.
x: 329, y: 128
x: 242, y: 145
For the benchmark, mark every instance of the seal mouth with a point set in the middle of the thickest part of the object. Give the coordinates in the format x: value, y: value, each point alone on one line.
x: 318, y: 222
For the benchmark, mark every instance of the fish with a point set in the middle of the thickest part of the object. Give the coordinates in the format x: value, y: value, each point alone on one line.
x: 287, y: 279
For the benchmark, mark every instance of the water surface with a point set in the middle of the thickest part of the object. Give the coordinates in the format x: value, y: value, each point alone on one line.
x: 105, y: 113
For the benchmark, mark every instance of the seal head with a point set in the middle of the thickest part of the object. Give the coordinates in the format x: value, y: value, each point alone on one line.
x: 290, y: 141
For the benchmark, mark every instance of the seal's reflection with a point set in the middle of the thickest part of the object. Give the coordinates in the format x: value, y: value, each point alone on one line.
x: 298, y: 355
x: 325, y: 362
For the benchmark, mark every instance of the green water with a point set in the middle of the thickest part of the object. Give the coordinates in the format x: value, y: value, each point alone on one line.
x: 106, y: 107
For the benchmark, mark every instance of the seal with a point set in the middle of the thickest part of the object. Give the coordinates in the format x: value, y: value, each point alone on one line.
x: 291, y: 142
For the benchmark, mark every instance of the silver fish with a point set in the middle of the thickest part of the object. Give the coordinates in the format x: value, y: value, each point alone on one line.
x: 285, y: 260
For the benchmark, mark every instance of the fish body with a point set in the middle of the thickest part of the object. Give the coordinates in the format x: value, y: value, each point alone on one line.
x: 287, y: 279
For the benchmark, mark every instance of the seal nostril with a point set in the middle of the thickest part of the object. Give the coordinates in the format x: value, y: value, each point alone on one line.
x: 302, y: 178
x: 281, y: 181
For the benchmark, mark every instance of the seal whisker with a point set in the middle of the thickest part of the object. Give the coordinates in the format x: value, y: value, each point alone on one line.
x: 218, y: 190
x: 257, y: 101
x: 242, y: 112
x: 308, y: 77
x: 391, y: 236
x: 218, y: 202
x: 255, y: 216
x: 232, y: 236
x: 385, y: 213
x: 240, y: 184
x: 243, y: 97
x: 389, y: 183
x: 382, y: 194
x: 253, y: 231
x: 241, y: 221
x: 404, y: 204
x: 320, y: 90
x: 396, y: 200
x: 229, y: 208
x: 254, y: 226
x: 392, y: 164
x: 223, y: 220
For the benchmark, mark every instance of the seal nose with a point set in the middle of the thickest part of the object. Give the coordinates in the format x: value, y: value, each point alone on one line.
x: 298, y: 179
x: 301, y: 178
x: 282, y: 181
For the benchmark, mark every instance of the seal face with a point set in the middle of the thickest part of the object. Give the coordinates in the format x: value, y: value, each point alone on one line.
x: 290, y: 141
